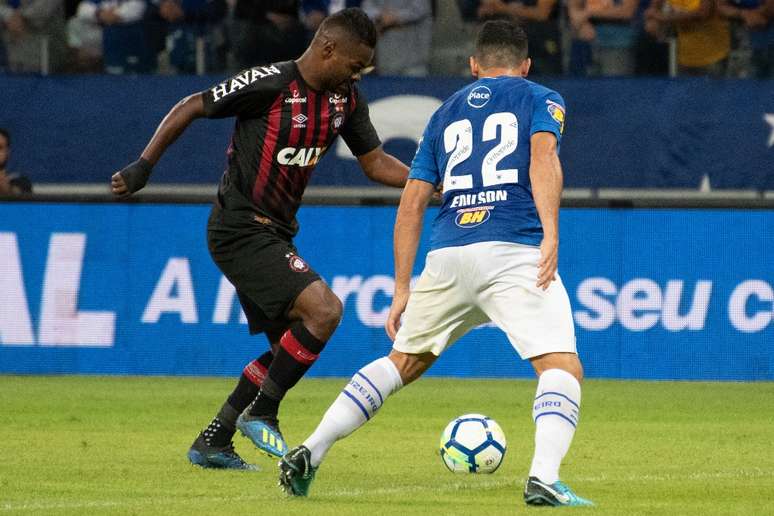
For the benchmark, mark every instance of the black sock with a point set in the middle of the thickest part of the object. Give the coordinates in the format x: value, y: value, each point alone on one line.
x: 221, y: 429
x: 297, y: 352
x: 252, y: 377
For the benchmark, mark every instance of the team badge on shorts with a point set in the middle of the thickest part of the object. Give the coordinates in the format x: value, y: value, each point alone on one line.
x: 296, y: 263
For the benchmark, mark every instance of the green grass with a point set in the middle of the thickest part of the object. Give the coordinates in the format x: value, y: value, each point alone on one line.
x: 105, y: 445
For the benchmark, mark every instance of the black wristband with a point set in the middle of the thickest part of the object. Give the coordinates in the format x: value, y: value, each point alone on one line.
x: 136, y: 174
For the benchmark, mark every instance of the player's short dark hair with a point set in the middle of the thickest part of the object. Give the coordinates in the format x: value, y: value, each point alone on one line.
x: 4, y: 132
x: 501, y: 43
x: 355, y: 22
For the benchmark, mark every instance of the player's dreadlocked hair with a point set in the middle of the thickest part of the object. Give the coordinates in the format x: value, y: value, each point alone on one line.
x: 355, y: 22
x: 501, y: 43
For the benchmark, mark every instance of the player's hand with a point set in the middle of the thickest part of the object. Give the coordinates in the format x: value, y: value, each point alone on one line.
x: 131, y: 178
x: 397, y: 308
x: 549, y: 259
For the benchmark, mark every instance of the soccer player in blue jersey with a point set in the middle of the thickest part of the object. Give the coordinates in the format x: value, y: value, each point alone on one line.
x: 493, y: 146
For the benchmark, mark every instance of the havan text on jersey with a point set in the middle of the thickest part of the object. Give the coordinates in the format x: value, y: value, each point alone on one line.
x: 242, y: 80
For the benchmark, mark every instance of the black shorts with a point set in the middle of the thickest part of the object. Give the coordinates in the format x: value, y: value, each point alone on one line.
x: 263, y: 266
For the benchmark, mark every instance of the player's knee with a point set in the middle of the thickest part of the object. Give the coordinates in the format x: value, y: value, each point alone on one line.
x: 411, y: 367
x: 319, y: 309
x: 565, y: 361
x: 326, y: 316
x: 331, y: 311
x: 576, y: 369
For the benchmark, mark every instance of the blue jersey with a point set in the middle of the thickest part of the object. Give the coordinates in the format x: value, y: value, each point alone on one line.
x: 477, y: 144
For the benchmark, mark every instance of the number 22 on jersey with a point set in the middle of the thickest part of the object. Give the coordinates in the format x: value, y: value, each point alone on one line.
x: 458, y: 140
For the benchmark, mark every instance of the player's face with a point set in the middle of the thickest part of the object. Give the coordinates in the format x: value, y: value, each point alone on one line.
x: 348, y: 64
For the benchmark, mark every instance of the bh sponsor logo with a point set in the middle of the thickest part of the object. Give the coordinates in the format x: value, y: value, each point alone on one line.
x: 479, y: 96
x: 472, y: 217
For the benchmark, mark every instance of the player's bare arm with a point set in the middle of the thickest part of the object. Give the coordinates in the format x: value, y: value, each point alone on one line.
x: 383, y: 168
x: 545, y: 174
x: 408, y: 228
x: 135, y: 175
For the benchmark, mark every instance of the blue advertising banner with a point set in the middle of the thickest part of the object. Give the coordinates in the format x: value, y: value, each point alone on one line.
x: 634, y: 133
x: 130, y: 289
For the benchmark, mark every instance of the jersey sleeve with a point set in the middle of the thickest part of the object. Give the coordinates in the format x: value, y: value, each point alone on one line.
x: 548, y: 114
x: 358, y: 131
x: 247, y: 94
x: 424, y: 165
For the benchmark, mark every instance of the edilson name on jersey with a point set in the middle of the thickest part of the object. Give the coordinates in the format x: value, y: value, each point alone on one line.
x: 486, y: 197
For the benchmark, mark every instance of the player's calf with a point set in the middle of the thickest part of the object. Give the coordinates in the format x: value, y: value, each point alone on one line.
x: 358, y: 402
x: 216, y: 437
x: 298, y: 350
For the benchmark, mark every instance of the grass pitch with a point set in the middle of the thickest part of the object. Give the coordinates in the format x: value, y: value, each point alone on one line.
x: 106, y: 445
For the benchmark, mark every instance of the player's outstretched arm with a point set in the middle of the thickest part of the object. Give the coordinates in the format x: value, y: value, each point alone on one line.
x: 135, y: 175
x: 408, y: 228
x: 383, y: 168
x: 545, y: 174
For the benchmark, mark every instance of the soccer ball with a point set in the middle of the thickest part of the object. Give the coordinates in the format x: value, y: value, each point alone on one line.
x: 473, y: 443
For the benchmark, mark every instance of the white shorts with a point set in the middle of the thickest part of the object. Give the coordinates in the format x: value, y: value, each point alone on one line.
x: 464, y: 287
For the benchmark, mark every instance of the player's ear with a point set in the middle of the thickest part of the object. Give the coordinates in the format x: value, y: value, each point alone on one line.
x: 473, y: 67
x: 327, y: 47
x: 525, y: 65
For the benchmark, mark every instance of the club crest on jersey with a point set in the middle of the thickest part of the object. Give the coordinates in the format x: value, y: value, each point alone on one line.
x: 557, y: 113
x: 296, y: 263
x: 338, y: 120
x: 472, y: 217
x: 479, y: 96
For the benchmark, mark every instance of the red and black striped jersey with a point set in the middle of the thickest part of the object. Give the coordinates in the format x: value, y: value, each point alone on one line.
x: 283, y: 128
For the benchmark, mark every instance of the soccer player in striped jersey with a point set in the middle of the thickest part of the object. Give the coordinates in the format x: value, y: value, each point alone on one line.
x: 288, y: 115
x: 493, y: 146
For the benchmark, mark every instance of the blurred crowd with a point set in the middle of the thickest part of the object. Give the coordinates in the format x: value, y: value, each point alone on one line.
x: 722, y: 38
